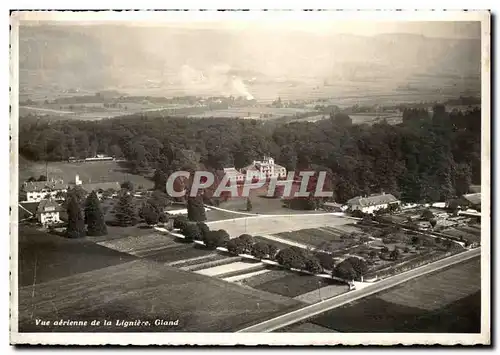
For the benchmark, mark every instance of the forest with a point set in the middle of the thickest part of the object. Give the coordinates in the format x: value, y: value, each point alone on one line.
x: 430, y: 156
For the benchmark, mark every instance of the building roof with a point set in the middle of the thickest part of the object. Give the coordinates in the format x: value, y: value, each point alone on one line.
x: 35, y: 186
x: 372, y: 200
x: 48, y: 206
x: 27, y: 209
x: 474, y: 199
x: 101, y: 186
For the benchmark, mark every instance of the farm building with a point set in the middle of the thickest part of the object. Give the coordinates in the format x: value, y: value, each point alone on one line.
x: 372, y: 203
x: 39, y: 190
x: 100, y: 187
x: 48, y: 212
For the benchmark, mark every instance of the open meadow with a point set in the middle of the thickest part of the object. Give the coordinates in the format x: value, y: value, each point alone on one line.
x: 89, y: 172
x: 445, y: 301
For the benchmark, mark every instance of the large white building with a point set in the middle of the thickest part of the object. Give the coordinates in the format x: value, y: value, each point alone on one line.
x: 372, y: 203
x: 39, y: 190
x: 264, y: 169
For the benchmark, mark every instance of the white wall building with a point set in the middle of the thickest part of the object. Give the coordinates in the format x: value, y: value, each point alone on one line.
x: 39, y: 190
x: 48, y: 212
x: 372, y: 203
x: 264, y: 169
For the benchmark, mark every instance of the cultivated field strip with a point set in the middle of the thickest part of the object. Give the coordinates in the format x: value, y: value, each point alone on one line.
x: 211, y: 264
x: 147, y: 289
x: 226, y: 268
x: 195, y: 260
x: 438, y: 290
x: 267, y: 277
x: 246, y: 275
x: 276, y: 224
x: 257, y: 267
x: 140, y: 245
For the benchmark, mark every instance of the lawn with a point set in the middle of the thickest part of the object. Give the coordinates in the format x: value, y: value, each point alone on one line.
x: 315, y: 237
x: 44, y: 257
x: 446, y: 301
x: 145, y: 290
x: 142, y: 244
x: 103, y: 171
x: 294, y: 284
x: 270, y: 276
x: 182, y: 251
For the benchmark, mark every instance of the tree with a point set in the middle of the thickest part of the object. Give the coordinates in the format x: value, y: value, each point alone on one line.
x: 235, y: 246
x: 214, y: 239
x: 160, y: 180
x: 292, y: 257
x: 125, y: 212
x: 76, y: 222
x: 191, y: 231
x: 344, y: 270
x: 272, y: 251
x: 427, y: 215
x: 196, y: 209
x: 312, y: 264
x: 372, y: 254
x: 180, y: 222
x: 249, y: 205
x: 394, y: 255
x: 384, y: 249
x: 127, y: 185
x: 149, y: 213
x: 359, y: 265
x: 433, y: 222
x: 246, y: 242
x: 326, y: 261
x: 94, y: 217
x: 260, y: 250
x: 204, y: 229
x: 42, y: 178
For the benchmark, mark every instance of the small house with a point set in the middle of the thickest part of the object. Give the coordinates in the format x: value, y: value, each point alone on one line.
x: 48, y: 212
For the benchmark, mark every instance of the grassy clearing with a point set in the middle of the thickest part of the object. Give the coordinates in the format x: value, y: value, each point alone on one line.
x: 390, y: 312
x: 147, y: 291
x: 103, y: 171
x: 274, y: 274
x: 315, y: 237
x: 438, y: 290
x: 294, y: 284
x: 140, y: 245
x: 44, y: 257
x: 178, y: 252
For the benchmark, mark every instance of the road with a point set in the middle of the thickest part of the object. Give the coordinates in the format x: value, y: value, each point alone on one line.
x: 317, y: 308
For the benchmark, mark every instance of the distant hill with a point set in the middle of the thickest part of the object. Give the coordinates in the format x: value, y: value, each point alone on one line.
x: 101, y: 57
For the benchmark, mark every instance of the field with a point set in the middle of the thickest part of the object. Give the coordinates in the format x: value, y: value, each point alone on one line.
x: 147, y: 291
x: 261, y: 225
x: 446, y: 301
x: 104, y: 171
x: 81, y: 280
x: 317, y: 237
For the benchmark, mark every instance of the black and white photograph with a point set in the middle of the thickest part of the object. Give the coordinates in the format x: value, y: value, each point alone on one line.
x: 320, y: 173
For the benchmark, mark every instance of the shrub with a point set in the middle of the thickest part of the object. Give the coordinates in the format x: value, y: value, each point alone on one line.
x: 272, y: 251
x: 191, y: 231
x: 203, y: 228
x: 180, y: 222
x: 385, y: 250
x: 260, y: 250
x: 246, y: 241
x: 234, y: 246
x: 214, y: 239
x: 312, y: 264
x: 292, y: 257
x: 325, y: 260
